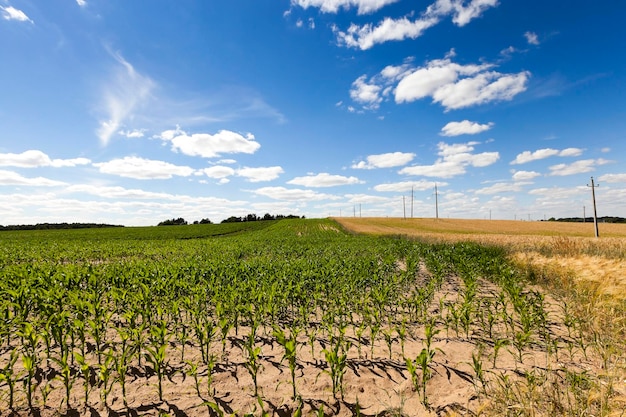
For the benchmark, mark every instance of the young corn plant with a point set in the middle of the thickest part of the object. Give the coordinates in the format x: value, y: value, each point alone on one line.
x: 105, y: 374
x: 65, y: 374
x: 253, y: 364
x: 29, y: 360
x: 156, y: 353
x: 289, y: 344
x: 85, y: 370
x: 10, y: 377
x: 336, y: 358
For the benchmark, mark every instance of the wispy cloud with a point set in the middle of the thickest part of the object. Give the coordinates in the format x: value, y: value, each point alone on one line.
x: 324, y: 180
x: 385, y: 160
x: 613, y: 178
x: 123, y: 94
x: 333, y: 6
x: 528, y: 156
x: 13, y: 178
x: 578, y: 167
x: 390, y: 29
x: 503, y: 187
x: 34, y: 159
x: 403, y: 186
x: 11, y: 13
x: 454, y: 160
x: 531, y: 38
x: 260, y: 174
x: 143, y: 169
x: 464, y: 127
x: 293, y: 194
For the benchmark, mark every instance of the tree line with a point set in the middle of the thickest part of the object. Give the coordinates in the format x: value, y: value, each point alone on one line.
x: 232, y: 219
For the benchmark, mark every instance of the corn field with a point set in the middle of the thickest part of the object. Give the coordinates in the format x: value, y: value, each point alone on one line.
x: 290, y: 317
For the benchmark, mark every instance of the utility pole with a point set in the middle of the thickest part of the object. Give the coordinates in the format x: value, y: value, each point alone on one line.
x: 411, y: 201
x: 404, y: 207
x: 595, y: 213
x: 436, y: 203
x: 584, y: 215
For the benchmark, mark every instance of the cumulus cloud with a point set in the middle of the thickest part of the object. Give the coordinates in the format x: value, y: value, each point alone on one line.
x: 390, y: 29
x: 13, y: 178
x: 528, y: 156
x: 11, y: 13
x: 454, y: 160
x: 209, y: 145
x: 404, y: 186
x: 464, y: 127
x: 578, y: 167
x: 143, y: 169
x: 613, y: 178
x: 367, y: 94
x: 452, y: 85
x: 122, y: 95
x: 385, y: 160
x: 333, y: 6
x: 503, y: 187
x: 260, y: 174
x: 525, y: 175
x: 218, y: 172
x: 34, y: 158
x: 324, y: 180
x: 293, y: 194
x: 531, y: 38
x: 117, y: 192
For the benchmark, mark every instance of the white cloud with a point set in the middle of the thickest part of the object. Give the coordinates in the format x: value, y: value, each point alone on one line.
x: 464, y: 127
x: 260, y: 174
x: 333, y: 6
x: 210, y: 146
x: 11, y: 13
x: 578, y: 167
x: 117, y: 192
x: 140, y: 168
x: 368, y: 35
x: 528, y: 156
x: 218, y: 172
x: 132, y: 134
x: 502, y: 187
x: 34, y: 158
x: 122, y: 95
x: 480, y: 89
x: 13, y: 178
x: 366, y: 199
x: 293, y: 194
x: 385, y: 160
x: 404, y: 186
x: 81, y: 3
x: 324, y: 180
x: 366, y: 94
x: 525, y: 175
x: 613, y: 178
x: 531, y: 38
x: 452, y: 85
x: 454, y: 160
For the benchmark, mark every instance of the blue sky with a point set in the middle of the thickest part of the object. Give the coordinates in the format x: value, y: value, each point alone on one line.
x: 128, y: 112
